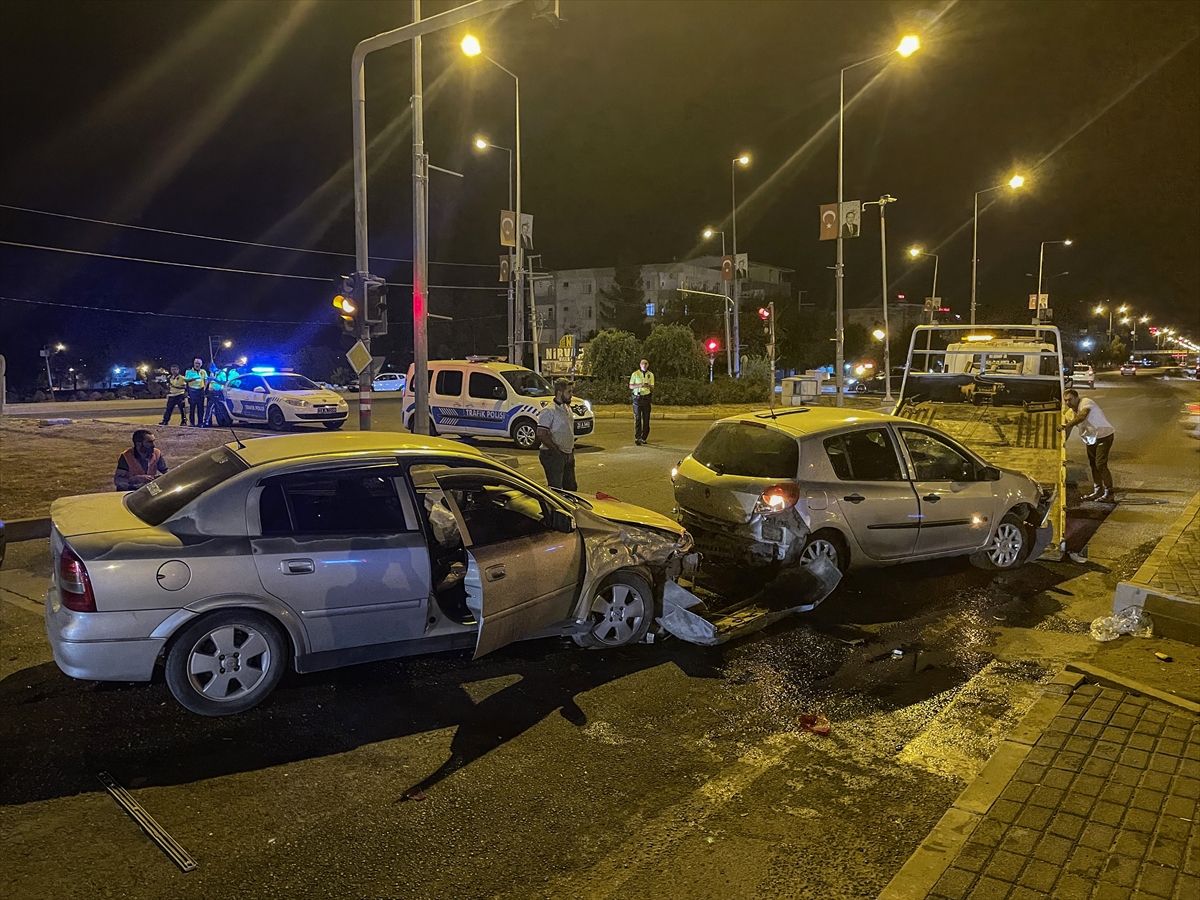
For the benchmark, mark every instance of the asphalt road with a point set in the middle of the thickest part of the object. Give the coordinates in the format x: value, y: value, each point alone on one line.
x: 663, y: 770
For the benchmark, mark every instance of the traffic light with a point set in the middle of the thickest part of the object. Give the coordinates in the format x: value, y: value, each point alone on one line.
x: 376, y: 305
x: 345, y: 301
x: 711, y: 345
x: 765, y: 315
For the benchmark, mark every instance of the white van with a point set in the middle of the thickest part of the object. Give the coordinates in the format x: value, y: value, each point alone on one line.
x: 481, y: 397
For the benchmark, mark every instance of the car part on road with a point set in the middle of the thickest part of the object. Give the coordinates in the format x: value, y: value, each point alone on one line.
x: 145, y: 821
x: 226, y: 662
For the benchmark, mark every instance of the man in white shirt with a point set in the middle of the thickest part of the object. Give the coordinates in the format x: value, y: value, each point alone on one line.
x: 1097, y: 433
x: 556, y: 430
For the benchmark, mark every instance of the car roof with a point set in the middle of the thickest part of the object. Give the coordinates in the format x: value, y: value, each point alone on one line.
x: 802, y: 420
x: 480, y: 364
x: 261, y: 451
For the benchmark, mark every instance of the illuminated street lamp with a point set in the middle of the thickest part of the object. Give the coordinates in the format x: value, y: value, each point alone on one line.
x: 908, y: 45
x: 1041, y: 260
x: 734, y: 348
x: 1017, y: 181
x: 879, y: 334
x: 482, y: 143
x: 472, y: 48
x: 709, y: 233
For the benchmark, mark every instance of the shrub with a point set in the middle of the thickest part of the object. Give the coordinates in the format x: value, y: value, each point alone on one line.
x: 612, y: 355
x: 674, y: 352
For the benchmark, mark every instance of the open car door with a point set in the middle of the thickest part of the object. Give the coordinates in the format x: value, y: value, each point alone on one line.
x: 525, y: 558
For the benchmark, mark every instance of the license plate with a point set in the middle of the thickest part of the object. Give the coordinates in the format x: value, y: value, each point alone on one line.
x: 583, y: 427
x: 326, y: 409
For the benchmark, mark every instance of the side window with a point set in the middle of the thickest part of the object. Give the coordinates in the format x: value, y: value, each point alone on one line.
x: 449, y: 383
x: 353, y: 501
x: 494, y: 510
x: 867, y: 455
x: 935, y: 460
x: 483, y: 386
x: 236, y: 384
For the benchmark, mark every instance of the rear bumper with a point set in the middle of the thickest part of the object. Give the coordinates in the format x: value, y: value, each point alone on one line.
x: 760, y: 542
x: 85, y: 645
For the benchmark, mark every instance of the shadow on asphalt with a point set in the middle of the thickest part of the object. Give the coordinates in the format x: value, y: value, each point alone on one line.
x: 58, y: 733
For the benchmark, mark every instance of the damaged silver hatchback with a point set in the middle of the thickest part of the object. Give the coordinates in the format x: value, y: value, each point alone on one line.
x: 323, y: 550
x: 857, y: 488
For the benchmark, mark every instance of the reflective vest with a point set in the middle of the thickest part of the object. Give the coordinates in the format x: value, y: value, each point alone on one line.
x: 175, y: 385
x: 641, y: 382
x: 196, y: 379
x: 135, y: 464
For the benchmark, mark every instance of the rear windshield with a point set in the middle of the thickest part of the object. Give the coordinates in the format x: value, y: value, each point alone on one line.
x: 166, y: 495
x: 735, y: 448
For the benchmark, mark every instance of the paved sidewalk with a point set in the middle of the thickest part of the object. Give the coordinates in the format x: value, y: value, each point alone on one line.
x: 1094, y: 795
x: 1168, y: 583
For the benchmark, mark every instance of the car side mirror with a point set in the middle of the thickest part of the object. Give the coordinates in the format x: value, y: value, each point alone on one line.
x: 260, y: 390
x: 561, y: 521
x: 989, y: 473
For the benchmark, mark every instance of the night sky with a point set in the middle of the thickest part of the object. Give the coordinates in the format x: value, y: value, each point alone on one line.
x: 233, y: 119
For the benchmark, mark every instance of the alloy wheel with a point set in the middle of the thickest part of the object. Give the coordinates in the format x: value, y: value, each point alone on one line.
x: 1006, y: 545
x: 620, y: 609
x: 818, y: 548
x: 228, y: 663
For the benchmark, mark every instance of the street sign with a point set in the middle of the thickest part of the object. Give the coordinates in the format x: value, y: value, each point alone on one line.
x: 829, y: 222
x: 358, y: 357
x: 508, y: 228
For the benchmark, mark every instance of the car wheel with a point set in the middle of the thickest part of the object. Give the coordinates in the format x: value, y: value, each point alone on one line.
x: 334, y: 426
x: 433, y: 432
x: 828, y: 544
x: 621, y: 612
x: 226, y: 662
x: 524, y: 432
x: 1009, y: 548
x: 276, y: 419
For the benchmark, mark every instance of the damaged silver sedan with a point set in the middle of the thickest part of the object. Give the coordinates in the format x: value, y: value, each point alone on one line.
x: 325, y: 550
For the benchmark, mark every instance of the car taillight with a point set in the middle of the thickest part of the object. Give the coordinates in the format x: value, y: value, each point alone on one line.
x: 779, y: 497
x: 74, y: 584
x: 1194, y: 409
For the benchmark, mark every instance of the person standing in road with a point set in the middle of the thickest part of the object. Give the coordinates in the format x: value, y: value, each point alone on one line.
x: 197, y: 382
x: 641, y: 383
x: 176, y: 396
x: 140, y: 464
x: 215, y: 401
x: 1097, y: 433
x: 556, y: 431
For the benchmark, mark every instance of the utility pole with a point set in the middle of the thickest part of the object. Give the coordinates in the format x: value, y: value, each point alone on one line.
x: 887, y: 335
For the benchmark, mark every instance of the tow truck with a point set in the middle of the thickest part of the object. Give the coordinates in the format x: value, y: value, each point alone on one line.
x: 998, y: 390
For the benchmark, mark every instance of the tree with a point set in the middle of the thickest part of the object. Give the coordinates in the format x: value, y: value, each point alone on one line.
x: 1115, y: 353
x: 623, y: 306
x: 314, y: 362
x: 674, y: 352
x: 612, y: 354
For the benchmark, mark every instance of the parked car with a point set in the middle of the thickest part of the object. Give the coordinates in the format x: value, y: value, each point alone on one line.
x: 325, y: 550
x: 861, y: 488
x: 487, y: 398
x: 284, y: 399
x: 1191, y: 420
x: 1082, y: 374
x: 1129, y: 368
x: 388, y: 381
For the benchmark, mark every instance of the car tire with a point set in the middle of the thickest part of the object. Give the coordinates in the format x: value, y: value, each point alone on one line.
x: 276, y: 419
x: 524, y: 433
x: 334, y: 426
x: 254, y: 642
x: 621, y: 611
x: 1010, y: 546
x: 828, y: 543
x: 433, y: 432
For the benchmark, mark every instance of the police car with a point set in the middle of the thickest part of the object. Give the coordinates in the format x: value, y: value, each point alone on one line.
x: 483, y: 397
x: 282, y: 399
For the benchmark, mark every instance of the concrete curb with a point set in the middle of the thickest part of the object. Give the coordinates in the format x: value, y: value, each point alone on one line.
x: 1174, y: 616
x: 26, y: 529
x: 918, y: 876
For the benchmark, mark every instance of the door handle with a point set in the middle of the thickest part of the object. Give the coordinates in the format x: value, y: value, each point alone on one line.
x: 298, y: 566
x: 855, y: 498
x: 495, y: 573
x: 931, y: 498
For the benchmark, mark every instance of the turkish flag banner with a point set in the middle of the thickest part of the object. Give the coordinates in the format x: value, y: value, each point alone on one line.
x: 505, y: 263
x: 829, y: 222
x: 727, y: 268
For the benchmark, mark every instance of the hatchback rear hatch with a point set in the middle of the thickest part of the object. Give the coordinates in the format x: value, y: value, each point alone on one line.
x: 731, y: 467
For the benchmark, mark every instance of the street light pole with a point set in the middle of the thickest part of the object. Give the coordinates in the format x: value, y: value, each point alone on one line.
x: 482, y: 145
x: 1041, y: 261
x: 882, y: 202
x: 1015, y: 182
x: 708, y: 233
x: 735, y: 347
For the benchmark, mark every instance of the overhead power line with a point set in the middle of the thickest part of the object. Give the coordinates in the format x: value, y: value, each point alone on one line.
x: 183, y: 265
x: 209, y: 237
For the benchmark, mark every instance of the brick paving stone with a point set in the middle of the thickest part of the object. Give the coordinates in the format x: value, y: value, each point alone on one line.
x: 1137, y: 758
x: 1019, y: 791
x: 1068, y: 761
x: 1107, y: 750
x: 1187, y: 887
x: 1072, y: 887
x: 1020, y: 840
x: 1132, y: 844
x: 988, y: 833
x: 1098, y: 837
x: 1040, y: 876
x: 1140, y: 820
x: 1098, y: 766
x: 1122, y: 719
x: 1190, y: 767
x: 1158, y: 881
x: 1091, y: 785
x: 1109, y: 891
x: 1024, y: 893
x: 1079, y: 745
x: 1087, y: 861
x: 1120, y: 870
x: 972, y: 856
x: 1156, y: 781
x: 1029, y: 772
x: 1160, y: 762
x: 1057, y: 778
x: 1117, y: 793
x: 1042, y: 756
x: 1147, y: 799
x: 1186, y: 787
x: 1080, y: 805
x: 1053, y: 849
x: 1046, y: 796
x: 1088, y: 728
x: 1141, y: 741
x: 1106, y: 813
x: 1166, y: 852
x: 1127, y: 775
x: 1173, y: 828
x: 1169, y: 746
x: 1068, y: 826
x: 1035, y: 817
x: 1004, y: 811
x: 1181, y: 807
x: 989, y: 889
x: 1116, y: 732
x: 955, y: 884
x: 1004, y: 866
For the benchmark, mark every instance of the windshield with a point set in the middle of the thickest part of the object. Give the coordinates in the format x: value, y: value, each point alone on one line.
x: 528, y: 384
x: 157, y: 501
x: 290, y: 383
x: 739, y: 448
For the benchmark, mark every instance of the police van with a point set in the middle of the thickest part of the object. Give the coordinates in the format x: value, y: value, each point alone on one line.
x: 483, y: 397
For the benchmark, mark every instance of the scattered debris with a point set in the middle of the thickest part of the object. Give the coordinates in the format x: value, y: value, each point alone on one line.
x: 897, y: 653
x: 414, y: 794
x: 145, y: 821
x: 1131, y: 620
x: 854, y: 642
x: 1080, y: 557
x: 1163, y: 657
x: 816, y: 724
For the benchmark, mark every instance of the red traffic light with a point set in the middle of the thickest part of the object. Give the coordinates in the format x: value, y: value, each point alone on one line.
x: 712, y: 346
x: 764, y: 313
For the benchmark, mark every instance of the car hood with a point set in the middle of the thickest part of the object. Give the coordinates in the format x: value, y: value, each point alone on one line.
x: 313, y: 396
x: 93, y: 513
x: 626, y: 513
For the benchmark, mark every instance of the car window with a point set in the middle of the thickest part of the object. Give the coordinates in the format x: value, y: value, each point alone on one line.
x: 290, y: 383
x: 483, y: 386
x: 157, y: 501
x: 449, y: 383
x: 752, y: 450
x: 246, y: 383
x: 935, y: 460
x: 867, y: 455
x: 342, y: 501
x: 528, y: 384
x: 495, y: 510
